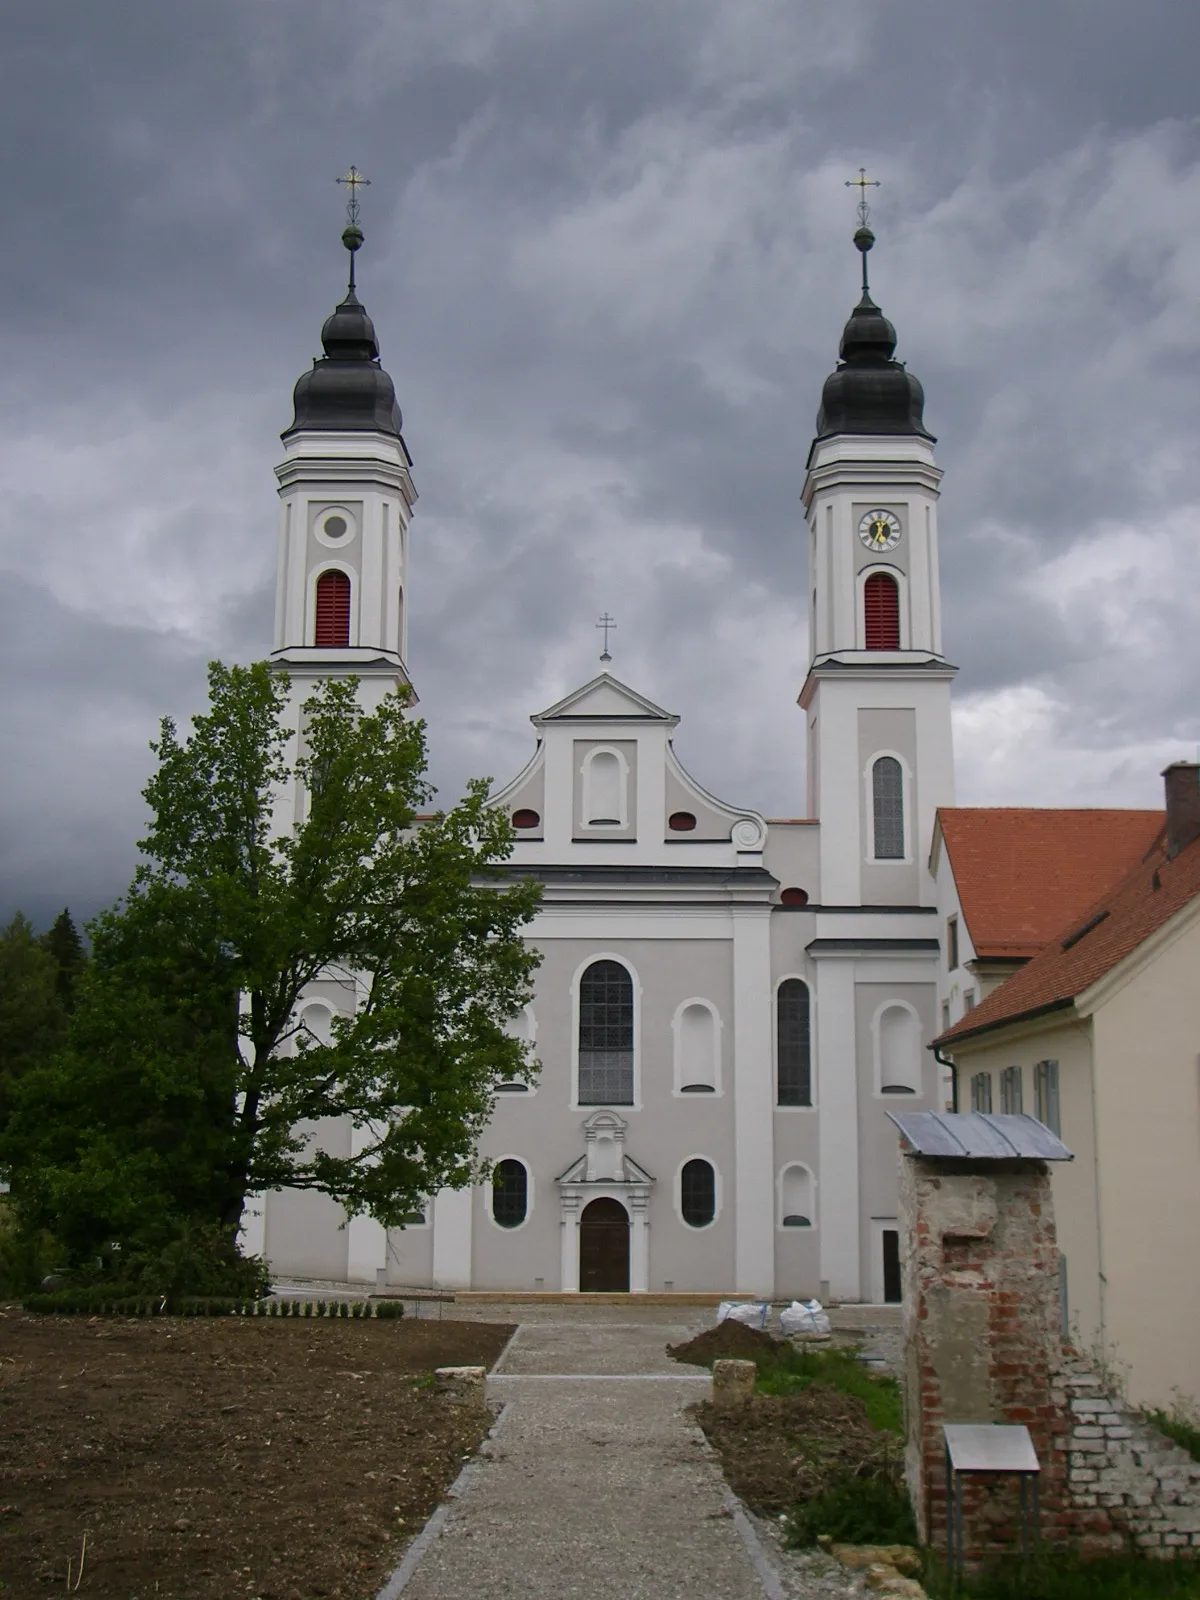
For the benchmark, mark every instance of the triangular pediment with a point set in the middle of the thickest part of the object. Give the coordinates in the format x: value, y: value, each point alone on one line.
x: 604, y: 699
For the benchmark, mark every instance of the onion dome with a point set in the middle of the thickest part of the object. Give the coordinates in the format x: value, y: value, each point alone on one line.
x: 347, y: 391
x: 870, y: 392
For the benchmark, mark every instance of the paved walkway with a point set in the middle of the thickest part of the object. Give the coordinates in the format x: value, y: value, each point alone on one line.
x: 595, y: 1485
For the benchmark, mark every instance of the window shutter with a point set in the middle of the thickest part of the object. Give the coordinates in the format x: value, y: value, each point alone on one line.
x: 333, y: 611
x: 881, y: 603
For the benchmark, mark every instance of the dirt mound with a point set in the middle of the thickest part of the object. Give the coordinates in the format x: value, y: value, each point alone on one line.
x: 728, y: 1341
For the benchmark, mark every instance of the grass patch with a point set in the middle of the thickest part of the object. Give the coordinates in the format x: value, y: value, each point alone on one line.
x: 787, y: 1370
x: 1180, y: 1424
x: 854, y: 1511
x: 1070, y: 1577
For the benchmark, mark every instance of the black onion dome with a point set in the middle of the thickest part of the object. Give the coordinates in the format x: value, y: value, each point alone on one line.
x: 870, y: 392
x: 347, y: 389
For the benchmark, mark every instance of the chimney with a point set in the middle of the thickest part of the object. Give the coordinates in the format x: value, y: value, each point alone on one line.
x: 1183, y: 805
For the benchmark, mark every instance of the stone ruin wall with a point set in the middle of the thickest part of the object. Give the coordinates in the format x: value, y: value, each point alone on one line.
x: 983, y: 1344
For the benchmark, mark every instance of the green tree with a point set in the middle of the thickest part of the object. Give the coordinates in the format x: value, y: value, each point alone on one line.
x: 190, y: 1079
x: 32, y: 1017
x: 70, y: 958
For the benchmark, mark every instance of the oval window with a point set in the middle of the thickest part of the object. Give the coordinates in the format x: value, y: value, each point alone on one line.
x: 794, y: 897
x: 525, y: 818
x: 698, y: 1193
x: 681, y: 822
x: 510, y: 1193
x: 336, y: 527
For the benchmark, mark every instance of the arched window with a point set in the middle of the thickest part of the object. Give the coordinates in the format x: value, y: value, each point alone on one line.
x: 510, y: 1193
x: 881, y: 611
x: 899, y: 1035
x: 333, y: 610
x: 604, y: 790
x: 317, y: 1022
x: 793, y: 1051
x: 887, y: 796
x: 696, y: 1050
x: 606, y: 1035
x: 796, y: 1197
x: 698, y: 1193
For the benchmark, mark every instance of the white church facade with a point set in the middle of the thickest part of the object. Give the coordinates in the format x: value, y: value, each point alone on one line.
x: 727, y: 1005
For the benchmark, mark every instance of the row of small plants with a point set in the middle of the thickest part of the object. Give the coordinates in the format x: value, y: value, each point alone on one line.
x: 103, y: 1302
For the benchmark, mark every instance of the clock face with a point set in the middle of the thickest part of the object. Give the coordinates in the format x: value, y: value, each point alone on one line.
x: 879, y: 530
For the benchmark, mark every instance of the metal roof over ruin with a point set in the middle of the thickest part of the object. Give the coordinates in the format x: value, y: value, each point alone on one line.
x: 978, y: 1136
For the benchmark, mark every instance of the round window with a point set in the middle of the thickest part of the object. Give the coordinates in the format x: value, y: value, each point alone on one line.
x: 794, y: 897
x: 526, y: 818
x: 335, y: 527
x: 681, y: 822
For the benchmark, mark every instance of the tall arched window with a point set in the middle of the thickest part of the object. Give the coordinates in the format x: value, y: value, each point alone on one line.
x: 887, y: 796
x: 698, y: 1193
x: 606, y: 1035
x: 333, y: 610
x: 793, y: 1051
x: 881, y: 609
x: 510, y: 1193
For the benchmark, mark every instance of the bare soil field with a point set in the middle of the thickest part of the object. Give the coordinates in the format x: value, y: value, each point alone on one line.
x: 221, y: 1457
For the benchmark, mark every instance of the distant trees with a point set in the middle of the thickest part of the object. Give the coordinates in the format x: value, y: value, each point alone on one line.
x: 187, y: 1077
x: 38, y: 976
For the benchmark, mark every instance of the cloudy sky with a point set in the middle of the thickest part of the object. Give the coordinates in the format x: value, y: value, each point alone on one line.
x: 608, y: 256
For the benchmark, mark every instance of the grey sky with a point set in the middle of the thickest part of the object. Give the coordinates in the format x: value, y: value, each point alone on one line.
x: 608, y: 258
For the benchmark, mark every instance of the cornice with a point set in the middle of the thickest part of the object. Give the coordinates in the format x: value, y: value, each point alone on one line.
x: 367, y: 472
x: 847, y: 473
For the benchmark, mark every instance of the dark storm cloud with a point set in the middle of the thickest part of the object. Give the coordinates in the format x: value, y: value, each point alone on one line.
x: 608, y: 260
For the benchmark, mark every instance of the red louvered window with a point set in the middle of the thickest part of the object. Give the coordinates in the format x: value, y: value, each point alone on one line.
x: 333, y: 610
x: 881, y: 604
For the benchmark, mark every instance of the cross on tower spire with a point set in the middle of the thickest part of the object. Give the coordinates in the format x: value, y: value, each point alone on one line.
x: 606, y: 622
x: 352, y: 234
x: 863, y: 237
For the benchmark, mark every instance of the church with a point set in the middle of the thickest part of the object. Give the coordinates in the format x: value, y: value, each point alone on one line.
x: 728, y: 1005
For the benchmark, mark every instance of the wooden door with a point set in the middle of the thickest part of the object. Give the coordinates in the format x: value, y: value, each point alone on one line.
x: 604, y: 1248
x: 892, y: 1286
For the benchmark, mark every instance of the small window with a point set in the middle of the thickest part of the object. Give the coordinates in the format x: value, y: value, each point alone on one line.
x: 793, y: 1044
x: 796, y: 1197
x: 606, y: 1035
x: 1045, y: 1094
x: 945, y: 1016
x: 981, y: 1092
x: 881, y: 608
x: 899, y: 1045
x: 794, y: 897
x: 510, y: 1193
x: 1011, y: 1094
x: 951, y: 943
x: 333, y: 611
x: 525, y: 818
x: 968, y: 1001
x: 696, y: 1050
x: 681, y: 822
x: 887, y: 795
x: 698, y: 1193
x: 335, y: 526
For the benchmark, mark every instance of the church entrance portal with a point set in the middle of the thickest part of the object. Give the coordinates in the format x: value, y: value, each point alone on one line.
x: 604, y: 1248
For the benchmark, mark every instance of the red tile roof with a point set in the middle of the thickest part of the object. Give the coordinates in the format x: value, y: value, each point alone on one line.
x: 1091, y: 945
x: 1022, y: 873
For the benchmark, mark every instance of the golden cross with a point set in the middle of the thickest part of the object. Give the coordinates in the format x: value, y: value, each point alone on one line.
x: 862, y: 183
x: 354, y: 181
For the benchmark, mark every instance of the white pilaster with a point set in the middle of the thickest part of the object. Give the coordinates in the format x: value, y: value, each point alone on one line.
x: 366, y: 1239
x: 837, y: 1098
x: 639, y: 1245
x: 754, y: 1234
x: 452, y: 1238
x: 570, y: 1244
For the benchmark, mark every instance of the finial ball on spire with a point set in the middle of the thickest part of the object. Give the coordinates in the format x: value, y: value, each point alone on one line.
x: 352, y: 236
x: 863, y: 239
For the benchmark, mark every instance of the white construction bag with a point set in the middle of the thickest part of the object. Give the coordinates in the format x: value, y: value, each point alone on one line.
x: 749, y: 1312
x: 804, y: 1316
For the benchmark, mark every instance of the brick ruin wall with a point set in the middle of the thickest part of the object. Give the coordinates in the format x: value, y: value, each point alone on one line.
x: 983, y: 1321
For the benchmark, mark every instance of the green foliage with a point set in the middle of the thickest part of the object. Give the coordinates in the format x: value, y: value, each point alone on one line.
x: 789, y: 1370
x: 65, y: 948
x: 854, y: 1510
x: 187, y: 1071
x: 1069, y: 1577
x: 1181, y: 1424
x: 25, y: 1257
x: 33, y: 1021
x: 389, y: 1308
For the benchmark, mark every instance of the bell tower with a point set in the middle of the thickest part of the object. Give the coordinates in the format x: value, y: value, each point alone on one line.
x: 347, y: 496
x: 877, y: 693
